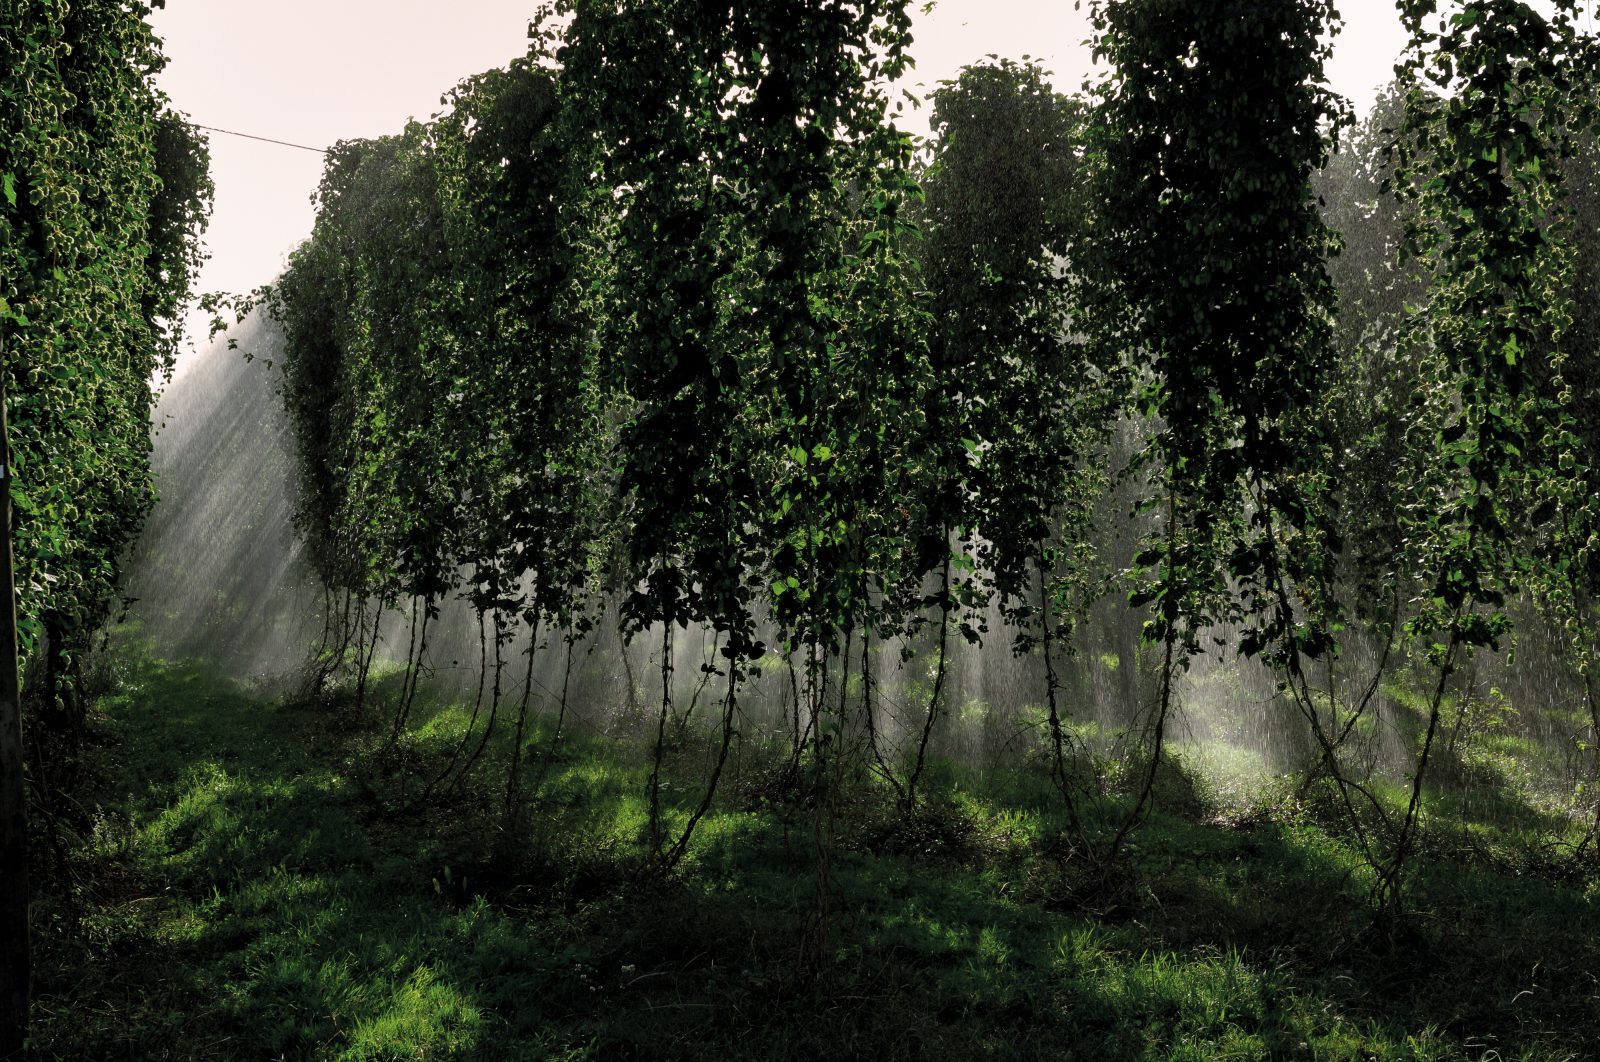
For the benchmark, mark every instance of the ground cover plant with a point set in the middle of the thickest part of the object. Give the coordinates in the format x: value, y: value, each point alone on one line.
x: 256, y: 886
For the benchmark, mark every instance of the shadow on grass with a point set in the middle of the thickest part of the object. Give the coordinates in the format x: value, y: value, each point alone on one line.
x: 253, y: 915
x: 254, y: 894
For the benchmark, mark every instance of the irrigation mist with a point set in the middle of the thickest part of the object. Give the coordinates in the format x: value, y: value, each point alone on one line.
x: 219, y: 574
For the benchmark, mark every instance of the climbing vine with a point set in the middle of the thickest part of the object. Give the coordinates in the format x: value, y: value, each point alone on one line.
x: 669, y: 326
x: 103, y: 194
x: 1203, y: 271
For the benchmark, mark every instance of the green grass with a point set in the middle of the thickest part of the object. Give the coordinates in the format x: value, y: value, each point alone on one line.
x: 259, y: 885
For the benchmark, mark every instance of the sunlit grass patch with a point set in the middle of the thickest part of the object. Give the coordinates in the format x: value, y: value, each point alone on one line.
x: 299, y: 901
x: 1235, y: 776
x: 422, y: 1010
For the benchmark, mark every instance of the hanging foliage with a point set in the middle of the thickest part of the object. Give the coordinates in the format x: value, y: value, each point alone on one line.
x: 103, y: 194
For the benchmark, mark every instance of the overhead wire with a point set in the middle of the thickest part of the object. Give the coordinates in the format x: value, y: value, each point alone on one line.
x: 263, y: 139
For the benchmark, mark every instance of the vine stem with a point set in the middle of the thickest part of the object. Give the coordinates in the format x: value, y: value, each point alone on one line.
x: 1058, y: 763
x: 938, y: 687
x: 1299, y: 685
x: 366, y: 659
x: 1163, y: 702
x: 798, y: 744
x: 707, y: 669
x: 477, y: 705
x: 661, y: 740
x: 869, y: 713
x: 1389, y: 886
x: 561, y: 717
x: 822, y: 795
x: 408, y: 685
x: 729, y: 708
x: 514, y: 770
x: 494, y: 702
x: 317, y: 681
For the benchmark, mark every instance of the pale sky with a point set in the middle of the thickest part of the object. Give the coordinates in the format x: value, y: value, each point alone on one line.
x: 316, y: 71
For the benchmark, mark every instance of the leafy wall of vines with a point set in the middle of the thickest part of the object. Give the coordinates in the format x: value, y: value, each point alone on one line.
x: 103, y: 194
x: 669, y: 314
